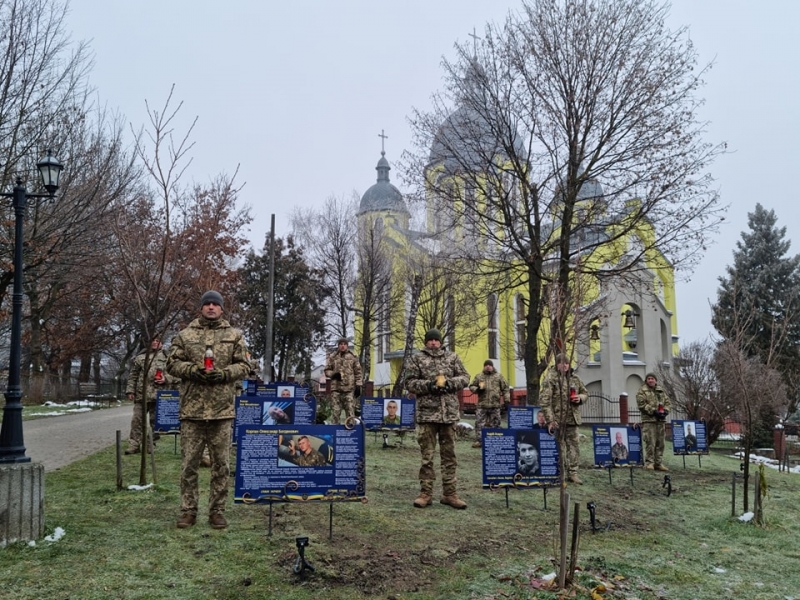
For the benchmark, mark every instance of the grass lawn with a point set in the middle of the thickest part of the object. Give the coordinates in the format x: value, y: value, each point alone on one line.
x: 685, y: 546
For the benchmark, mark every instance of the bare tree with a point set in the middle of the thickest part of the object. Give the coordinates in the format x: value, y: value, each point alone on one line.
x: 753, y: 387
x: 373, y: 290
x: 329, y: 236
x: 176, y: 241
x: 43, y: 83
x: 693, y: 385
x: 562, y: 96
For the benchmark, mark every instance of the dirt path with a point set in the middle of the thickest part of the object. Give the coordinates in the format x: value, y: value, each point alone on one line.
x: 58, y: 441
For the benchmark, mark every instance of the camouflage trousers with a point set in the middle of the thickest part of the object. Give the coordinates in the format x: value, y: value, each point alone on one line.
x: 570, y: 449
x: 653, y: 436
x: 135, y: 439
x: 427, y: 435
x: 486, y: 417
x: 195, y: 436
x: 339, y: 401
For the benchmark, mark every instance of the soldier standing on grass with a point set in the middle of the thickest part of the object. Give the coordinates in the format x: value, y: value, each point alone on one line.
x: 435, y: 376
x: 492, y: 391
x: 561, y: 396
x: 210, y: 357
x: 344, y: 371
x: 154, y: 379
x: 654, y: 404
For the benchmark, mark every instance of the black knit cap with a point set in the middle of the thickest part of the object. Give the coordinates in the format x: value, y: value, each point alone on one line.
x: 488, y: 363
x: 433, y: 334
x: 212, y: 296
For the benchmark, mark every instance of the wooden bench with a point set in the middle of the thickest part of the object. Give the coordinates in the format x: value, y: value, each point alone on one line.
x: 87, y: 390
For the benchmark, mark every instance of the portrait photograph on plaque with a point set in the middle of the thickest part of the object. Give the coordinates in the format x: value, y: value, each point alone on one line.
x: 689, y: 437
x: 168, y: 404
x: 519, y: 458
x: 388, y: 413
x: 272, y: 410
x: 526, y: 417
x: 299, y: 463
x: 277, y: 413
x: 617, y: 445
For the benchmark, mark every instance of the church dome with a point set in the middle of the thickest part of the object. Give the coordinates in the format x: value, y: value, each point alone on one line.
x: 591, y: 188
x: 382, y: 195
x: 466, y: 140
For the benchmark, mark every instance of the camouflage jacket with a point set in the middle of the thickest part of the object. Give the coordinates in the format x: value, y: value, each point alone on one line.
x: 494, y: 392
x: 137, y: 377
x: 619, y: 452
x: 554, y: 397
x: 422, y: 369
x: 208, y: 401
x: 313, y: 459
x: 347, y: 365
x: 648, y: 400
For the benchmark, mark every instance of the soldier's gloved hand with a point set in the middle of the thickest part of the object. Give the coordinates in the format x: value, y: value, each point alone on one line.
x: 433, y: 388
x: 197, y: 374
x: 336, y: 376
x: 357, y: 392
x: 449, y: 386
x: 216, y: 376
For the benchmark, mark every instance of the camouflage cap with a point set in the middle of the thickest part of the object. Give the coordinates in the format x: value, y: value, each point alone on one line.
x: 653, y: 375
x: 342, y: 340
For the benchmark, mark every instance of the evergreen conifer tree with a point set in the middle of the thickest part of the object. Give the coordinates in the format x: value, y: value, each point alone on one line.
x: 758, y: 299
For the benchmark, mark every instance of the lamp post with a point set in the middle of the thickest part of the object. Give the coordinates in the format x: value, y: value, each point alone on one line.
x: 12, y: 448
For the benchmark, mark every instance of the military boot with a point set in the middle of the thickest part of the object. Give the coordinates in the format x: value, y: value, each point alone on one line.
x: 425, y: 497
x: 449, y: 496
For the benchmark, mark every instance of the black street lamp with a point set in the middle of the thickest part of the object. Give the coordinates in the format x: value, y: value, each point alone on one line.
x: 12, y: 448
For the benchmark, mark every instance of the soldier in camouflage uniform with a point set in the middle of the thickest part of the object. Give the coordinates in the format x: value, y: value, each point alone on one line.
x: 304, y: 455
x: 435, y: 376
x: 654, y: 404
x: 492, y: 391
x: 344, y: 371
x: 156, y: 378
x: 561, y: 396
x: 207, y: 403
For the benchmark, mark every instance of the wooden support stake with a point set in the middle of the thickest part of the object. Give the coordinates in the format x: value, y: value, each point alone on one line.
x: 119, y: 460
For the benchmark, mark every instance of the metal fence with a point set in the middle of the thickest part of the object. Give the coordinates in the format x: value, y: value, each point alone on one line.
x: 601, y: 408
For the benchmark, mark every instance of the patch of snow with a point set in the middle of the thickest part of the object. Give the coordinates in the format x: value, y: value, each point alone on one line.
x: 548, y: 577
x: 138, y: 488
x: 747, y: 517
x: 56, y: 535
x: 719, y: 570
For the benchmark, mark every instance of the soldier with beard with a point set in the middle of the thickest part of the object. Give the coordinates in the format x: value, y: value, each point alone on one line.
x: 435, y: 376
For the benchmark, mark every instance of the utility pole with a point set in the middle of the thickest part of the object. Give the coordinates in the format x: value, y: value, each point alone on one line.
x: 268, y: 353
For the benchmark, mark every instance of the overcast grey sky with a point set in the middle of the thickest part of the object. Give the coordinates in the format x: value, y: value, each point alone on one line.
x: 296, y: 93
